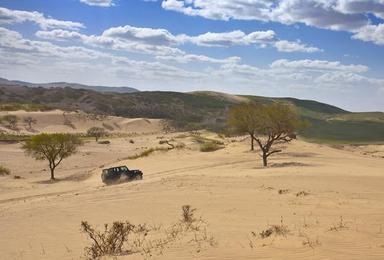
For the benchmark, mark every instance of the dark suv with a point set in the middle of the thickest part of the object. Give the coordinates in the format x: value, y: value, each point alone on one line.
x: 120, y: 174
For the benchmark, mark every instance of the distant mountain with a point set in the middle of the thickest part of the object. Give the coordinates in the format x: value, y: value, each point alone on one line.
x: 195, y: 110
x: 65, y: 84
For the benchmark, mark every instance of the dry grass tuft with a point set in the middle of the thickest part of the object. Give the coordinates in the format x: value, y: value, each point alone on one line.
x: 4, y: 171
x: 277, y: 230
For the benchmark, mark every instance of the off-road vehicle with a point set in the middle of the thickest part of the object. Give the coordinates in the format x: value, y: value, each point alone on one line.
x: 120, y: 174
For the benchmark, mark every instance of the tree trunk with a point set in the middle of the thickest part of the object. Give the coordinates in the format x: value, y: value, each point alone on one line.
x: 265, y: 157
x: 252, y: 143
x: 52, y: 173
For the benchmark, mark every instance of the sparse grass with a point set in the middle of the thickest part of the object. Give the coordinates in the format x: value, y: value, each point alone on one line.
x: 210, y: 147
x: 6, y: 137
x: 147, y: 152
x: 124, y: 238
x: 4, y: 171
x: 24, y: 106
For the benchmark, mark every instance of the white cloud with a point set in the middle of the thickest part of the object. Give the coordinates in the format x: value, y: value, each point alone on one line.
x: 102, y: 3
x: 317, y: 65
x: 8, y: 16
x: 228, y: 39
x: 162, y: 42
x: 371, y: 33
x: 287, y: 46
x: 340, y: 15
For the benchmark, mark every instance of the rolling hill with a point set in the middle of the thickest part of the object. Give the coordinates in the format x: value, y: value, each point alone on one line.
x: 195, y: 110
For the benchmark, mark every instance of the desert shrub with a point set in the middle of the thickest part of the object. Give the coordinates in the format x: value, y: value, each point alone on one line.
x: 188, y: 214
x: 109, y: 241
x: 4, y: 171
x: 210, y: 147
x: 302, y: 194
x: 277, y: 230
x: 104, y: 142
x: 10, y: 121
x: 124, y: 238
x: 131, y: 141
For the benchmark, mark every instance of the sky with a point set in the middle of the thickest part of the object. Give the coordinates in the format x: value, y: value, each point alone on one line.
x: 331, y: 51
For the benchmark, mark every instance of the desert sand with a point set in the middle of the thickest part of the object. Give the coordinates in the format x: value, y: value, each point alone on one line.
x: 331, y: 200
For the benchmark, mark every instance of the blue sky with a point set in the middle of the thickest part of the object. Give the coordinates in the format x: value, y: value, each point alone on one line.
x: 327, y: 50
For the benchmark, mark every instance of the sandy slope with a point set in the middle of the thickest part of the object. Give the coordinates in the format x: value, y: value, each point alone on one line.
x: 230, y: 190
x: 79, y: 122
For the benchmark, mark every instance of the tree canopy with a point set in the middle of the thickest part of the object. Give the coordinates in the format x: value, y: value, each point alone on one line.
x: 267, y: 125
x: 52, y: 147
x: 96, y: 132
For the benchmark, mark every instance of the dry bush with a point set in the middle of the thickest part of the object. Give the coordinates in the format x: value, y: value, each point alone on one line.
x: 277, y: 230
x: 188, y: 214
x: 123, y: 238
x: 312, y: 243
x: 131, y: 141
x: 302, y: 194
x: 108, y: 242
x: 283, y: 191
x: 4, y: 171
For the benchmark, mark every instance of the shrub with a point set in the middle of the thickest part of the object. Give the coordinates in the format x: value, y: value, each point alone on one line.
x: 210, y: 147
x: 188, y: 214
x: 108, y: 242
x: 277, y: 230
x: 4, y: 171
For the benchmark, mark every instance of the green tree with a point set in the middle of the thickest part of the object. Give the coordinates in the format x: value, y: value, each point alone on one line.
x: 96, y: 132
x: 52, y: 147
x: 269, y: 125
x: 242, y: 119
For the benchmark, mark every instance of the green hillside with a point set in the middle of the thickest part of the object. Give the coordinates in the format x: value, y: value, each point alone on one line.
x: 194, y: 110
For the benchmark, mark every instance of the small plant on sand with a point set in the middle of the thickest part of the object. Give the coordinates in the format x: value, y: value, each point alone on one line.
x: 109, y: 241
x: 339, y: 226
x: 29, y: 121
x: 4, y: 171
x: 277, y: 230
x: 188, y: 214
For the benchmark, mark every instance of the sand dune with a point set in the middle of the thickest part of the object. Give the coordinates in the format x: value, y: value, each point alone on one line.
x: 340, y: 215
x: 79, y: 122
